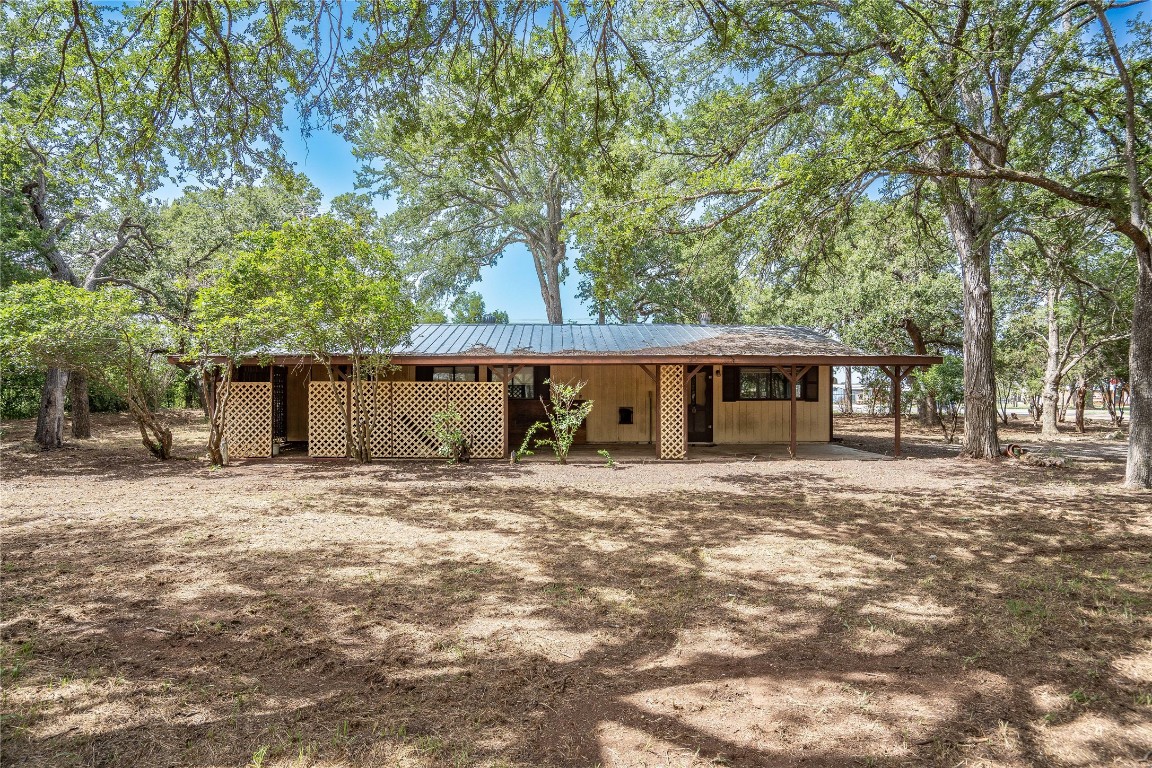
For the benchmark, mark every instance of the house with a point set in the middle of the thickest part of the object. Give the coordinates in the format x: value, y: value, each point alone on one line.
x: 670, y: 386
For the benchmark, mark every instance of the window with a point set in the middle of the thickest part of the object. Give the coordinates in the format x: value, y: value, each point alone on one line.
x: 625, y: 415
x: 523, y: 384
x: 763, y: 384
x: 447, y: 373
x: 768, y: 383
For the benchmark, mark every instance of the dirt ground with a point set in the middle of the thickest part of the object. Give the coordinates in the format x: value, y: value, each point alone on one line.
x: 927, y: 611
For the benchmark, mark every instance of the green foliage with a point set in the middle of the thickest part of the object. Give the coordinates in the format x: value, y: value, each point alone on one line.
x: 20, y: 393
x: 525, y: 445
x: 886, y: 283
x: 469, y: 308
x: 608, y: 460
x: 313, y: 286
x: 448, y: 432
x: 565, y: 414
x: 945, y: 384
x: 51, y: 324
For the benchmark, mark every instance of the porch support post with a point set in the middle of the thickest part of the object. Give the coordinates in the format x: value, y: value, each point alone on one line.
x: 673, y: 415
x: 793, y: 377
x: 506, y: 380
x: 897, y: 374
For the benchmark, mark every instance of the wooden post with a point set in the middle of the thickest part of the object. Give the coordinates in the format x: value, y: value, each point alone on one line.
x: 793, y: 377
x: 896, y: 407
x: 897, y: 373
x: 792, y: 411
x: 507, y: 379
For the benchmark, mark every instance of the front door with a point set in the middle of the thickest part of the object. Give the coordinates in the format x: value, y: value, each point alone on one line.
x: 700, y: 406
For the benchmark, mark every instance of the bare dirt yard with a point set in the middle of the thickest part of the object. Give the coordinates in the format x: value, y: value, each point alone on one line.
x: 927, y: 611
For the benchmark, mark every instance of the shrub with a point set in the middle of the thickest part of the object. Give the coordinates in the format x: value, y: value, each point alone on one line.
x: 565, y: 415
x: 945, y: 384
x: 448, y: 431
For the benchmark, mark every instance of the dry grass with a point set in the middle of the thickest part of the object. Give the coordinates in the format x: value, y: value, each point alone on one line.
x: 921, y: 612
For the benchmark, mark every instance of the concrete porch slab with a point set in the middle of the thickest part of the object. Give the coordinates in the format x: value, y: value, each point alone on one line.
x: 640, y: 454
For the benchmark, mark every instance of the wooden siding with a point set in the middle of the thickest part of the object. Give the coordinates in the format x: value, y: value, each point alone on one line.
x: 766, y: 421
x: 613, y: 387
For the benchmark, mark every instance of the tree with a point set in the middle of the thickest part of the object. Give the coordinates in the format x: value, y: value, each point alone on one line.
x: 52, y: 325
x: 1075, y: 294
x: 316, y: 288
x: 469, y: 308
x: 944, y: 383
x: 886, y: 283
x: 197, y: 233
x: 467, y: 193
x: 101, y: 103
x: 951, y: 94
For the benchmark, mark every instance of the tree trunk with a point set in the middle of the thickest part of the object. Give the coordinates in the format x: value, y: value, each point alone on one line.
x: 50, y: 420
x: 81, y: 409
x: 1138, y: 473
x: 1048, y: 428
x: 926, y: 404
x: 1081, y: 396
x: 980, y: 437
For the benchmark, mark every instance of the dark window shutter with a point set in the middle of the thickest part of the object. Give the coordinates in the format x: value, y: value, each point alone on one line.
x: 423, y: 373
x: 812, y: 384
x: 539, y: 373
x: 730, y: 383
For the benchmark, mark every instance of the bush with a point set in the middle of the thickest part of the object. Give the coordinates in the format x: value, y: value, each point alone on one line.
x: 20, y: 394
x: 448, y: 431
x: 945, y: 384
x: 565, y: 415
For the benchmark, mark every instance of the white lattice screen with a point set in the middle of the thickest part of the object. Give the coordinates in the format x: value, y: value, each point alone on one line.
x: 248, y: 419
x: 673, y: 416
x: 401, y: 417
x: 327, y: 437
x: 482, y: 406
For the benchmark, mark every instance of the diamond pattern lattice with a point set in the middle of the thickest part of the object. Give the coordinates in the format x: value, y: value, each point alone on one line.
x: 377, y: 410
x: 248, y: 420
x: 673, y: 424
x: 401, y: 414
x: 413, y: 403
x: 482, y: 406
x: 326, y: 431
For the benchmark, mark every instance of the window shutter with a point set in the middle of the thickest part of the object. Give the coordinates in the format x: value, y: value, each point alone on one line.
x: 812, y: 384
x: 730, y: 383
x: 539, y: 373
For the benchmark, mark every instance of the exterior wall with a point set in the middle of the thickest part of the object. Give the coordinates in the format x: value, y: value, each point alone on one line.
x: 766, y: 421
x: 616, y: 386
x: 612, y: 387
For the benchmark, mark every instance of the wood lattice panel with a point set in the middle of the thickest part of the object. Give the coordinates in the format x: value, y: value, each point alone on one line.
x: 248, y: 419
x: 378, y: 411
x: 482, y: 406
x: 673, y: 425
x: 413, y: 403
x: 326, y: 425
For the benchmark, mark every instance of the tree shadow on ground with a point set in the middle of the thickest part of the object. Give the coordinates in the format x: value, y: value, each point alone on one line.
x: 448, y: 617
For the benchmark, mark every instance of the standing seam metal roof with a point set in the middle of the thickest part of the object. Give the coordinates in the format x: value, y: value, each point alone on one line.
x: 536, y: 339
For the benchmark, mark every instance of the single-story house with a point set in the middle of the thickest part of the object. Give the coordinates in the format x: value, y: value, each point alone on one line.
x: 670, y: 386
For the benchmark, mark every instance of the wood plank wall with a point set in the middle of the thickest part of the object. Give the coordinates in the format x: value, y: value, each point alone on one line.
x: 766, y: 421
x: 613, y: 386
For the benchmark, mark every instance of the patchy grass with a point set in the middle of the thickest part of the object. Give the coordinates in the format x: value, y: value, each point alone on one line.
x: 273, y: 614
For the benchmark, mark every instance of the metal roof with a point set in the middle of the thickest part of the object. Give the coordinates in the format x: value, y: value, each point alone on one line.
x: 650, y: 340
